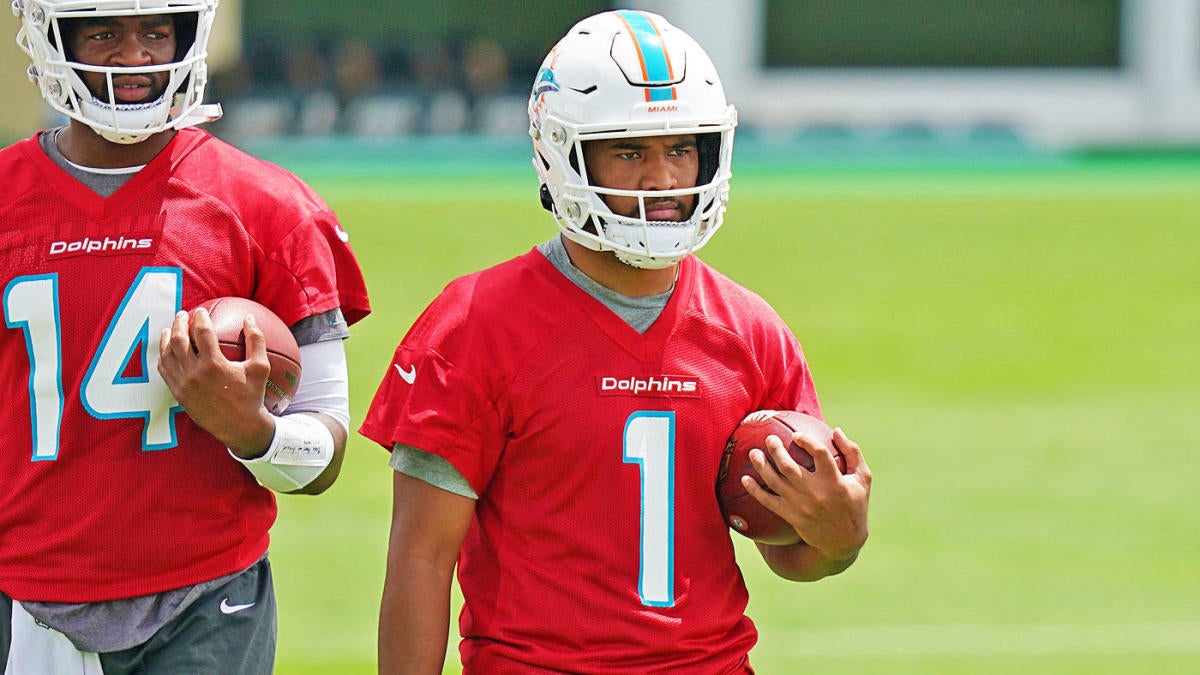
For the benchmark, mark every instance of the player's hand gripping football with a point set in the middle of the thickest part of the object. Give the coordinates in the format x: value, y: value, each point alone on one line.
x: 224, y: 397
x: 828, y: 509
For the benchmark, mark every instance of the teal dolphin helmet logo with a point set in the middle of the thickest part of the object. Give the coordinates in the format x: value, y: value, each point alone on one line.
x: 544, y: 83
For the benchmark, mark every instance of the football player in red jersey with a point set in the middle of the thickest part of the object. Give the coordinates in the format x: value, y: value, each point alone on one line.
x: 557, y: 421
x: 139, y: 465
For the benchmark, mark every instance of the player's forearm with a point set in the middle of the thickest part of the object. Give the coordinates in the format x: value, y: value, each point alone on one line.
x: 414, y: 623
x: 428, y: 528
x: 327, y: 477
x: 324, y: 393
x: 801, y: 562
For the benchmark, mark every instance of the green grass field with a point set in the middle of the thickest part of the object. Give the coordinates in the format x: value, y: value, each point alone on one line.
x: 1014, y: 348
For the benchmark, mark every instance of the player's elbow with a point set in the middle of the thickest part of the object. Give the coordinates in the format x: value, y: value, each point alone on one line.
x: 326, y: 479
x: 803, y: 563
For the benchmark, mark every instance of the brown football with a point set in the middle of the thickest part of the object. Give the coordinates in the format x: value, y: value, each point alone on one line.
x: 228, y: 315
x: 741, y: 510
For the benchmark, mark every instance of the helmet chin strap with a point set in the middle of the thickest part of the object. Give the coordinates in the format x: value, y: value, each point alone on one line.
x: 594, y: 243
x: 136, y: 120
x: 140, y: 121
x: 209, y: 112
x: 670, y: 239
x: 630, y: 242
x: 644, y: 263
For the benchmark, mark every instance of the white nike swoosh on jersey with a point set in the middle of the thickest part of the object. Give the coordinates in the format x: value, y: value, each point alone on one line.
x: 227, y: 608
x: 409, y: 375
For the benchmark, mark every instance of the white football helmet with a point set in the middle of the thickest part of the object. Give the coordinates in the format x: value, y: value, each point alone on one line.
x: 57, y: 76
x: 624, y: 74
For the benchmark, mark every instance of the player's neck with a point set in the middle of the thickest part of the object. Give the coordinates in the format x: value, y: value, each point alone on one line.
x: 83, y: 146
x: 605, y: 269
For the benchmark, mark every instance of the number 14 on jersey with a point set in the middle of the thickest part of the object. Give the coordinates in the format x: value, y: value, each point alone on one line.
x: 122, y: 380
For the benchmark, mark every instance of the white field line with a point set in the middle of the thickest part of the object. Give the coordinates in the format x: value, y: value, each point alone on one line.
x: 1014, y: 639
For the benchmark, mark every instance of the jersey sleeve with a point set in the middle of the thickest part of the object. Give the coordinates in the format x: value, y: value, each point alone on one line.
x: 788, y: 382
x: 313, y: 270
x: 426, y: 402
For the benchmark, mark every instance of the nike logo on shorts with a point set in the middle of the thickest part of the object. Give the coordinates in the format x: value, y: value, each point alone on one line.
x: 227, y: 608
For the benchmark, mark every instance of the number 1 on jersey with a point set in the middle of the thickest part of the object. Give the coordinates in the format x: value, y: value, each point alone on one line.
x: 650, y: 443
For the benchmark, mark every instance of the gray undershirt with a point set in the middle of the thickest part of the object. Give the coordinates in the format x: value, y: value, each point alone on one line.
x: 102, y: 183
x: 639, y: 313
x: 119, y: 624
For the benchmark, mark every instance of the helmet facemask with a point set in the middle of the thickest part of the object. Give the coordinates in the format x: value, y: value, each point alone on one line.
x: 46, y: 26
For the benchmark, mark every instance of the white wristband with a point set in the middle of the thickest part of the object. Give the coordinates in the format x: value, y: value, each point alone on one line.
x: 299, y: 452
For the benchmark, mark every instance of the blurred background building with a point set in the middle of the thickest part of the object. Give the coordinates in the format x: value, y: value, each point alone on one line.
x: 1047, y: 74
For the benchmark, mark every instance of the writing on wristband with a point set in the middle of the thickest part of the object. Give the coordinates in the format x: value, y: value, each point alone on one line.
x: 300, y: 450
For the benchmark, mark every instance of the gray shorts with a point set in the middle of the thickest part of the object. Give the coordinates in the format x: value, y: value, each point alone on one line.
x: 229, y: 629
x: 5, y: 629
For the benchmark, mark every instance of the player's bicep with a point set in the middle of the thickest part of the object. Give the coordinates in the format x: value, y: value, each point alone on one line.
x: 427, y: 521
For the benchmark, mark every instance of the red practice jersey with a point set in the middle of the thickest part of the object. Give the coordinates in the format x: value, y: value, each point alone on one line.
x: 109, y: 490
x: 598, y: 545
